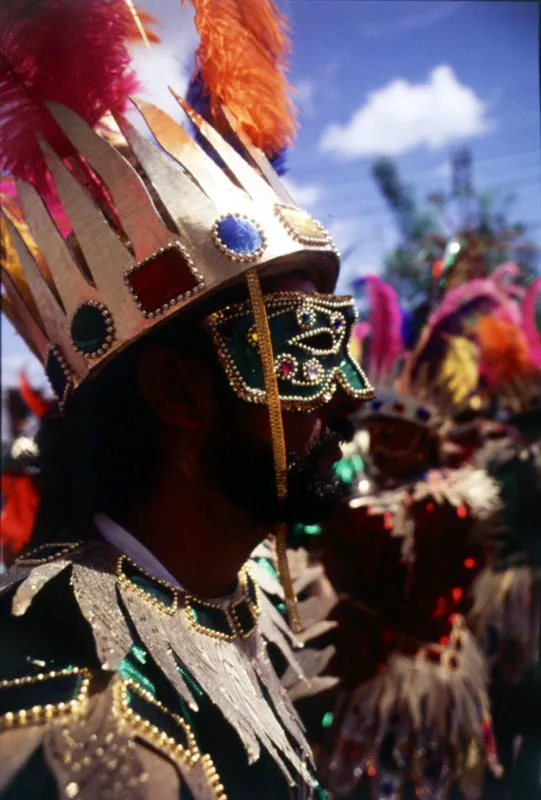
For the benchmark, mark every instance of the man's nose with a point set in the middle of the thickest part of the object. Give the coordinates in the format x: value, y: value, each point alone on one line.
x: 342, y: 405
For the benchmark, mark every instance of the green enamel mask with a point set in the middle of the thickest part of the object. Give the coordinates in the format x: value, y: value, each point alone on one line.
x: 310, y: 336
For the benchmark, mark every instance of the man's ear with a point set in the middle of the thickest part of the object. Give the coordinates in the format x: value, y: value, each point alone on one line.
x: 178, y: 389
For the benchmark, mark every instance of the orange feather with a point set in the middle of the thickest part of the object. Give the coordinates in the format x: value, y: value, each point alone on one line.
x: 504, y: 350
x: 242, y: 57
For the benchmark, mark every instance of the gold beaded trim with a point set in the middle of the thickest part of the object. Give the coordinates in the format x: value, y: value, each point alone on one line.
x: 39, y: 713
x: 192, y: 620
x: 109, y: 339
x: 244, y: 576
x: 213, y: 777
x: 288, y: 301
x: 125, y: 581
x: 236, y: 620
x: 30, y: 559
x: 55, y: 350
x: 175, y: 245
x: 229, y: 613
x: 157, y: 737
x: 232, y: 254
x: 323, y: 239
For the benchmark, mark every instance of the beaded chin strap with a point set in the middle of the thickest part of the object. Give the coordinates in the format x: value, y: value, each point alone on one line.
x: 278, y: 440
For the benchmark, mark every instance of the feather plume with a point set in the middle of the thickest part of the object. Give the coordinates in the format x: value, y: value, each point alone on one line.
x: 386, y: 343
x: 452, y: 318
x: 33, y: 399
x: 503, y: 278
x: 459, y: 372
x: 529, y: 326
x: 504, y: 351
x: 19, y: 511
x: 198, y: 97
x: 74, y: 53
x: 242, y: 59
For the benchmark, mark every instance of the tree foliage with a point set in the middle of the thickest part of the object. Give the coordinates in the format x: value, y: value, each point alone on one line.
x: 425, y: 229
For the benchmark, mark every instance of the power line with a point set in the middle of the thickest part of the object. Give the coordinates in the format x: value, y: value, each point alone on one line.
x: 477, y: 161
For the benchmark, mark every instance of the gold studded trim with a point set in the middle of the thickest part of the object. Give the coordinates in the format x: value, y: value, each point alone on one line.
x: 244, y: 577
x: 41, y: 712
x: 232, y: 254
x: 213, y: 777
x: 125, y: 581
x: 160, y: 739
x: 184, y: 757
x: 109, y: 339
x: 236, y: 620
x: 324, y: 239
x: 56, y: 351
x: 32, y: 559
x: 286, y: 301
x: 228, y: 612
x: 192, y: 620
x: 174, y: 245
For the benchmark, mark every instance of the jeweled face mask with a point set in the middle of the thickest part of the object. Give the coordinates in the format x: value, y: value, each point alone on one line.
x: 310, y: 336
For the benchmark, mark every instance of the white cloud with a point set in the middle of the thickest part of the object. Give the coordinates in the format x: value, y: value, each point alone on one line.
x: 304, y: 194
x: 402, y: 116
x: 157, y: 69
x: 304, y: 96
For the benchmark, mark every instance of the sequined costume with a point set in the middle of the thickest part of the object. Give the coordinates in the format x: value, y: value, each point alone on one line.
x: 402, y: 552
x: 506, y: 614
x: 116, y: 682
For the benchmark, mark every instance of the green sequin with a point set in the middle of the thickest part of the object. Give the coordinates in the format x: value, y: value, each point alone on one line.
x: 192, y: 683
x: 327, y: 720
x: 128, y: 669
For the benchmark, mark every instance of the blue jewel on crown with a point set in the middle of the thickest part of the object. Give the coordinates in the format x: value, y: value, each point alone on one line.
x: 239, y: 237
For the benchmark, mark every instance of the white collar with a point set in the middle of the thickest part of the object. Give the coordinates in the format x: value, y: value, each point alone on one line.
x: 132, y: 547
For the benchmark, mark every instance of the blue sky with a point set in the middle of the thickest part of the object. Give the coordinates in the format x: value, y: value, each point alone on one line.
x: 408, y: 79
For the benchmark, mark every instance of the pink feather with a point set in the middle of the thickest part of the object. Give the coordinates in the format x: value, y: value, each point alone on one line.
x: 529, y: 325
x: 72, y: 52
x: 361, y: 331
x: 386, y: 344
x: 471, y: 290
x: 503, y: 278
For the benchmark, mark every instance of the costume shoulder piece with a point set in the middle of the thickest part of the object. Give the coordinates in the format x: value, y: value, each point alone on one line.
x: 117, y: 683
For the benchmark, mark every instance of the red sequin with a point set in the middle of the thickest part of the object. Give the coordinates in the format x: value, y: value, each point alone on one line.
x: 162, y: 278
x: 285, y: 368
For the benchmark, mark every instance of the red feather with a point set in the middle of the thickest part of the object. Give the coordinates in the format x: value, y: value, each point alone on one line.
x: 33, y: 399
x: 72, y: 52
x: 386, y: 344
x: 19, y: 511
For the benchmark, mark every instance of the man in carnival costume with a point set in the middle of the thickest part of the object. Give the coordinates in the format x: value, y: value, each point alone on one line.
x: 23, y: 407
x: 402, y: 552
x: 203, y: 379
x: 506, y: 615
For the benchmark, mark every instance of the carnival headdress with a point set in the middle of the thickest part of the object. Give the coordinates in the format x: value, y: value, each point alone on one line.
x: 162, y: 224
x: 442, y: 373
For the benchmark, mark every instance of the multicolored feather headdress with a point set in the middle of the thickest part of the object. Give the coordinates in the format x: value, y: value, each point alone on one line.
x: 444, y: 371
x: 155, y: 225
x: 137, y: 266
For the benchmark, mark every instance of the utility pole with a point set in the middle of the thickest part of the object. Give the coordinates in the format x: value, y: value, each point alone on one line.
x: 462, y: 182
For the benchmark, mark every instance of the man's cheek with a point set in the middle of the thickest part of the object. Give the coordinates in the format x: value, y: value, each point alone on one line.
x: 301, y: 432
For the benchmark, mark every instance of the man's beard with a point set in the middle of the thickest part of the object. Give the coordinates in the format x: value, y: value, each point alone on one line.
x: 243, y: 471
